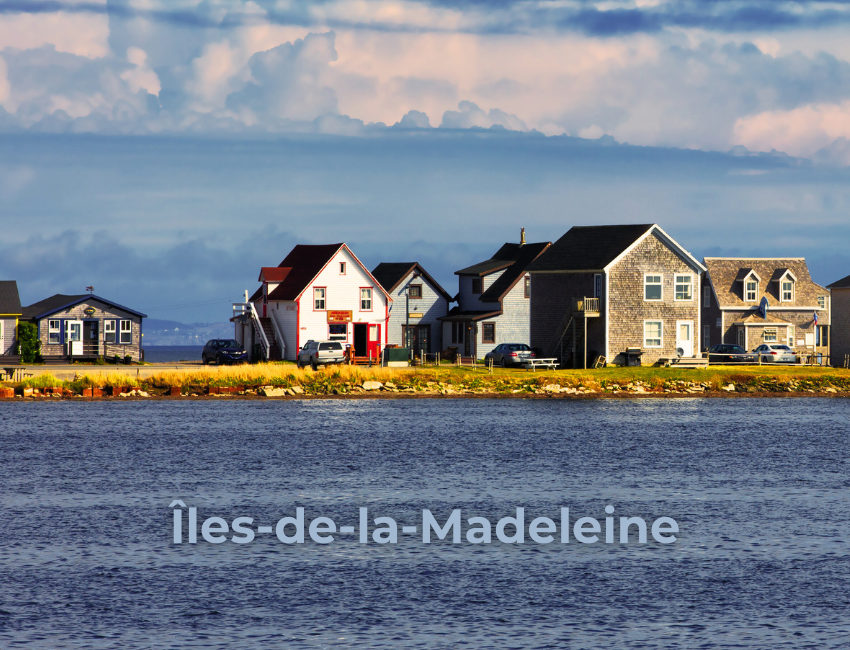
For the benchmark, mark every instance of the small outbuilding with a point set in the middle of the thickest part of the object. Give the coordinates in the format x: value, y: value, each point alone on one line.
x: 10, y: 312
x: 840, y: 319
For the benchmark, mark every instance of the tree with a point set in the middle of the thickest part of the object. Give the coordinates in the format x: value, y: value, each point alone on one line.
x: 29, y: 346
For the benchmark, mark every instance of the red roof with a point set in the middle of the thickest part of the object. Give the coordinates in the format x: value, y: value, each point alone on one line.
x: 273, y: 273
x: 304, y: 262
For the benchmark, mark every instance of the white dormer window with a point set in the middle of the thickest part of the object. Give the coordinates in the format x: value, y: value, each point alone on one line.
x: 751, y: 289
x: 786, y: 290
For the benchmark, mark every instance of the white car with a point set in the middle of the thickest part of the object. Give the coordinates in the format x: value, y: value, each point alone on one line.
x: 775, y: 353
x: 320, y: 353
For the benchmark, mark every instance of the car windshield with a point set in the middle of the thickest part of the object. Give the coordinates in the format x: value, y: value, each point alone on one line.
x: 226, y: 343
x: 330, y: 346
x: 784, y: 348
x: 518, y: 347
x: 736, y: 349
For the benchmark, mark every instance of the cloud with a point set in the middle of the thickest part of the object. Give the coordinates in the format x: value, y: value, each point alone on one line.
x: 470, y: 115
x: 414, y: 120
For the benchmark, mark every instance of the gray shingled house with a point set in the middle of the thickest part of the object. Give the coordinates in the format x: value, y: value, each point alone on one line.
x: 839, y: 343
x: 418, y: 303
x: 735, y: 287
x: 626, y: 292
x: 85, y: 327
x: 10, y: 312
x: 493, y: 304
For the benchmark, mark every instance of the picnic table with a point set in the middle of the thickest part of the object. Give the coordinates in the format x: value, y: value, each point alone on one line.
x: 533, y: 364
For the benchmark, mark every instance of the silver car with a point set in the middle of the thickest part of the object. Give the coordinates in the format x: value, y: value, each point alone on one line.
x: 775, y: 353
x: 510, y: 354
x: 320, y: 353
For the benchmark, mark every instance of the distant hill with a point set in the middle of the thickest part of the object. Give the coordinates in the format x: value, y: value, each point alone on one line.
x: 171, y: 332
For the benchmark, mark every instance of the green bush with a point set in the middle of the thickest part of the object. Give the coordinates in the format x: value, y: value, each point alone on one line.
x: 29, y: 346
x: 128, y: 359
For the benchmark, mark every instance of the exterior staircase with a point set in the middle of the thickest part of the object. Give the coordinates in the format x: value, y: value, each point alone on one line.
x: 274, y: 353
x: 568, y: 345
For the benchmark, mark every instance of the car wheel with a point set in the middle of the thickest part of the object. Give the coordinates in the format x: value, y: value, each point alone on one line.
x: 218, y: 359
x: 502, y: 363
x: 315, y: 366
x: 204, y: 359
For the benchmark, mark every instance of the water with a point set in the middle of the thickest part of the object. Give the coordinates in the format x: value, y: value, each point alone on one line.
x: 758, y: 487
x: 172, y: 353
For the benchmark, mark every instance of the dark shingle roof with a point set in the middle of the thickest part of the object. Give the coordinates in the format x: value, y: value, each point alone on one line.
x: 10, y: 301
x: 304, y: 261
x: 61, y: 301
x: 588, y: 248
x: 521, y: 257
x: 843, y: 283
x: 390, y: 274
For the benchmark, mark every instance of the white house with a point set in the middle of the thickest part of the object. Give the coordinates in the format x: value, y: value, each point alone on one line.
x: 493, y: 301
x: 316, y: 293
x: 419, y: 302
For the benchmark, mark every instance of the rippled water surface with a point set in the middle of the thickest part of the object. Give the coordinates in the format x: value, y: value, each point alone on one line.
x: 759, y: 488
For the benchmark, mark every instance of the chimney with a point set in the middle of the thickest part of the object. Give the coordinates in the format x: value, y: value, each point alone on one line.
x: 522, y: 236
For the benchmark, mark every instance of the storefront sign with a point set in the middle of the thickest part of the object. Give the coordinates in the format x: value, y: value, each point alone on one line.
x: 89, y: 311
x: 339, y: 316
x: 415, y: 315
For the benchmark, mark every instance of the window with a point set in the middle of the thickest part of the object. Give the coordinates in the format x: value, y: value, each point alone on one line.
x: 684, y: 287
x: 488, y: 333
x: 53, y: 332
x: 786, y: 293
x: 338, y: 331
x: 342, y: 268
x: 126, y: 332
x: 706, y: 297
x: 750, y: 290
x: 109, y: 331
x: 476, y: 286
x: 770, y: 335
x: 823, y: 335
x: 366, y: 299
x: 718, y: 323
x: 652, y: 287
x: 527, y: 286
x: 319, y: 295
x: 73, y: 331
x: 652, y: 333
x: 597, y: 285
x: 822, y: 302
x: 706, y: 336
x: 416, y: 292
x: 457, y: 332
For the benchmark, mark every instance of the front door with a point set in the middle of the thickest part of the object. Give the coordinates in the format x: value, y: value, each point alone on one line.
x: 74, y: 336
x: 685, y: 337
x: 417, y: 338
x: 374, y: 344
x: 742, y: 337
x: 90, y: 338
x: 361, y: 333
x: 467, y: 339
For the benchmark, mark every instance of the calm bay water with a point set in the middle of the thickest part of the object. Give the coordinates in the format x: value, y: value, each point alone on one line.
x: 759, y: 488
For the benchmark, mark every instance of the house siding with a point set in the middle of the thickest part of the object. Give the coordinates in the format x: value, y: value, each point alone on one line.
x: 432, y: 306
x: 840, y: 329
x: 7, y: 341
x: 102, y: 312
x: 512, y: 326
x: 628, y: 310
x: 552, y: 296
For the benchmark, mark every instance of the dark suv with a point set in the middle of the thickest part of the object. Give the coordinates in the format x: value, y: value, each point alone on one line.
x: 223, y: 351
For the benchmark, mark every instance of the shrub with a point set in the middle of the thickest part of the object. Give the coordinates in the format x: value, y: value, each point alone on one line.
x: 116, y: 359
x: 29, y: 346
x: 127, y: 359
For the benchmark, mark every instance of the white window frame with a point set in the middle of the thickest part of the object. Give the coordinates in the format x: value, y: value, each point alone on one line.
x: 782, y: 284
x: 125, y: 327
x: 365, y: 298
x: 689, y: 284
x: 109, y: 329
x: 342, y: 268
x: 323, y: 299
x: 659, y: 284
x: 822, y: 302
x: 771, y: 332
x: 646, y: 338
x: 706, y: 297
x: 51, y: 330
x: 747, y: 281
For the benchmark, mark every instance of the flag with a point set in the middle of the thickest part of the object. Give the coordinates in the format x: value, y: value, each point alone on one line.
x: 815, y: 317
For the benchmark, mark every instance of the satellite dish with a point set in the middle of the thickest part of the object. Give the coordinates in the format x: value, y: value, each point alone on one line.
x: 680, y: 352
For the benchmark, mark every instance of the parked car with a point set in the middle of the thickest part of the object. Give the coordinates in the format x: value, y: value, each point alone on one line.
x: 725, y: 353
x: 320, y: 353
x: 223, y: 351
x: 775, y: 353
x: 510, y: 354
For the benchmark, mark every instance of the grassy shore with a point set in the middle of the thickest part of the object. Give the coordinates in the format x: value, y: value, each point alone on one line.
x: 449, y: 380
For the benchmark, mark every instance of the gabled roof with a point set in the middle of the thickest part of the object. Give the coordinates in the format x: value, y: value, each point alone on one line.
x: 596, y: 248
x: 724, y: 272
x: 10, y: 301
x: 305, y: 262
x: 457, y: 314
x: 58, y: 302
x: 273, y: 273
x: 521, y: 256
x: 744, y: 273
x: 756, y: 319
x: 391, y: 274
x: 486, y: 267
x: 843, y: 283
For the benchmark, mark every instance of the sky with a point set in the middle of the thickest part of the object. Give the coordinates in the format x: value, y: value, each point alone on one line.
x: 164, y: 151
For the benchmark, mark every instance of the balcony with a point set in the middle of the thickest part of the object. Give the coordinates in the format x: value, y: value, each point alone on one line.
x: 588, y: 307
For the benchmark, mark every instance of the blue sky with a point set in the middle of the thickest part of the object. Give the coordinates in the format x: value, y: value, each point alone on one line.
x: 165, y: 151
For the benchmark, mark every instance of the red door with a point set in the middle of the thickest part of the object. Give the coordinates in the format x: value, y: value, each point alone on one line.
x: 374, y: 341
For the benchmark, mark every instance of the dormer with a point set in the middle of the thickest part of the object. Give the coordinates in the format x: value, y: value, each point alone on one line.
x: 750, y: 282
x: 787, y: 282
x: 272, y: 276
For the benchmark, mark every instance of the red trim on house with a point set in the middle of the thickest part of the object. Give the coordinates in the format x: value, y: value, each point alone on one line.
x: 297, y: 327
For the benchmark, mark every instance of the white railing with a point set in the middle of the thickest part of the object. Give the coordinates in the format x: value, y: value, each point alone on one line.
x: 242, y: 308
